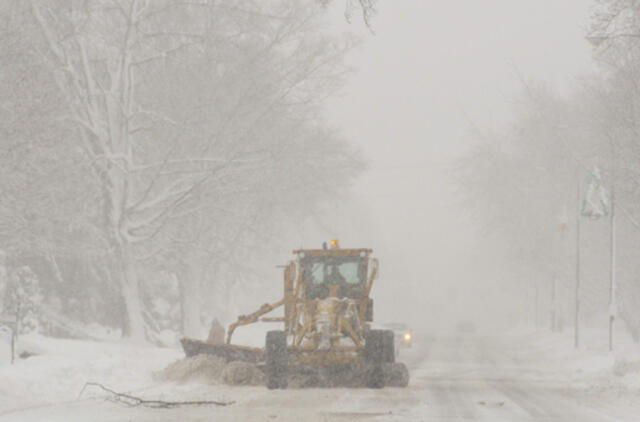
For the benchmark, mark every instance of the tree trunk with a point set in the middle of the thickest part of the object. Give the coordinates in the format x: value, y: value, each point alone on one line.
x: 190, y: 302
x: 135, y: 327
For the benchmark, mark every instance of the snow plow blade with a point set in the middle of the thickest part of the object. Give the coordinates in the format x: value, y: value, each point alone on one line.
x: 228, y: 352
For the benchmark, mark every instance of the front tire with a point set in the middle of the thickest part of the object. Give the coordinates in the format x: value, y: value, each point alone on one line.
x: 277, y: 360
x: 379, y: 349
x: 396, y: 375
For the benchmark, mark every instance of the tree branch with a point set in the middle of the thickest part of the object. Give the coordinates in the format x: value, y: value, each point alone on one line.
x: 133, y: 401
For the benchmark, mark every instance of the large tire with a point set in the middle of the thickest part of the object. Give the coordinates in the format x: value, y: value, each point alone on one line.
x: 396, y: 375
x: 374, y: 376
x: 388, y: 346
x: 378, y: 350
x: 277, y: 360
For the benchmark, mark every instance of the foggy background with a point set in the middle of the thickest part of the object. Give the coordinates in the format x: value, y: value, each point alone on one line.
x: 432, y: 72
x: 442, y: 135
x: 162, y: 162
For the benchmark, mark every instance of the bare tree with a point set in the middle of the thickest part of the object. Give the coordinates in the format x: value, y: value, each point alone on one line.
x: 177, y: 113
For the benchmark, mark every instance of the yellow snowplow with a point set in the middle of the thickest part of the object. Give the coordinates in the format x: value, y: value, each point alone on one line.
x: 326, y: 334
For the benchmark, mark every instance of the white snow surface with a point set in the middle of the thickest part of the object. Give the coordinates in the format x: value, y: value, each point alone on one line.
x: 60, y: 368
x: 526, y: 375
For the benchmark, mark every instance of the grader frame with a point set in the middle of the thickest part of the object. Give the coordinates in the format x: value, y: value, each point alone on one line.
x: 326, y: 324
x: 299, y: 310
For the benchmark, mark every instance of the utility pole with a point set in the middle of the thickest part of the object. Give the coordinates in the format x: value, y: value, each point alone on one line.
x: 577, y: 290
x: 554, y: 304
x: 612, y: 248
x: 535, y: 303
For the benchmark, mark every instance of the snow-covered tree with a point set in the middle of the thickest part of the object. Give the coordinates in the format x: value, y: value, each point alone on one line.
x: 522, y: 185
x: 22, y: 299
x: 175, y: 127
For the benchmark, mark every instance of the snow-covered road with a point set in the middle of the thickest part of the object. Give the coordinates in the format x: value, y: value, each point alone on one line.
x: 464, y: 378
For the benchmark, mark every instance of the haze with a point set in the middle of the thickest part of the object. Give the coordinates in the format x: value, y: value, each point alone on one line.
x: 160, y: 160
x: 432, y: 71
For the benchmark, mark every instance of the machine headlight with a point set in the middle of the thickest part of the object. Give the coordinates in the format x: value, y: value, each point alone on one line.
x: 407, y: 337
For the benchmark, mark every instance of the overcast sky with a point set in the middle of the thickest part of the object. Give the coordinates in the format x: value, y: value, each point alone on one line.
x: 433, y: 68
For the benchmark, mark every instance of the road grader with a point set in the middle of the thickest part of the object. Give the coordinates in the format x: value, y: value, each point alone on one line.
x: 327, y: 333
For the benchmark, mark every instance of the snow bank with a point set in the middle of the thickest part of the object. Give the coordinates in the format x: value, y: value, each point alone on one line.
x: 212, y: 370
x: 5, y: 348
x: 203, y: 368
x: 553, y: 356
x: 242, y: 373
x: 58, y: 369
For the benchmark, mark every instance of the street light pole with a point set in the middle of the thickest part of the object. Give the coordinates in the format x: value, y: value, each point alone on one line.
x: 577, y: 289
x: 612, y: 248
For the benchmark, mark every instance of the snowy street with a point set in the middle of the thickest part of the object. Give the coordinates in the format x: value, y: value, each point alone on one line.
x: 470, y: 378
x: 319, y: 210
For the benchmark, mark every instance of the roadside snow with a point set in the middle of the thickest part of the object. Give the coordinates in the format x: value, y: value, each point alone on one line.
x: 553, y: 356
x: 58, y: 369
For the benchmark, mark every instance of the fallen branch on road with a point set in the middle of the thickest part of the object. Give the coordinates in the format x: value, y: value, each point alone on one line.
x: 133, y: 401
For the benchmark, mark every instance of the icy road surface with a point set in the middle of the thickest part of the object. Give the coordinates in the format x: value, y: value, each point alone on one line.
x: 465, y: 378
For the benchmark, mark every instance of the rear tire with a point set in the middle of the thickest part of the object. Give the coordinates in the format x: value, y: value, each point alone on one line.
x: 277, y: 360
x: 375, y: 376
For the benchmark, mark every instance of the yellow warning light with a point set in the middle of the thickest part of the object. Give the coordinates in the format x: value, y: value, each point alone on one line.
x: 335, y: 243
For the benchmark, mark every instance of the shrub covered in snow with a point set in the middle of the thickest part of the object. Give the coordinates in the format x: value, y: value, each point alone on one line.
x: 161, y: 300
x: 22, y: 298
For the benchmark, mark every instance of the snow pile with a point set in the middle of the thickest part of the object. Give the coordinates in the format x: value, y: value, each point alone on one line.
x: 545, y: 356
x: 242, y: 373
x: 626, y: 367
x: 623, y: 366
x: 211, y: 370
x: 586, y: 361
x: 204, y: 368
x: 5, y: 348
x: 58, y: 369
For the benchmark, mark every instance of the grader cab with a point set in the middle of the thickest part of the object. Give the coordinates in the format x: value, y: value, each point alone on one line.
x: 326, y: 324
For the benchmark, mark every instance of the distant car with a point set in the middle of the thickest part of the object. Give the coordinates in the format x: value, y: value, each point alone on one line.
x: 402, y: 333
x: 466, y: 327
